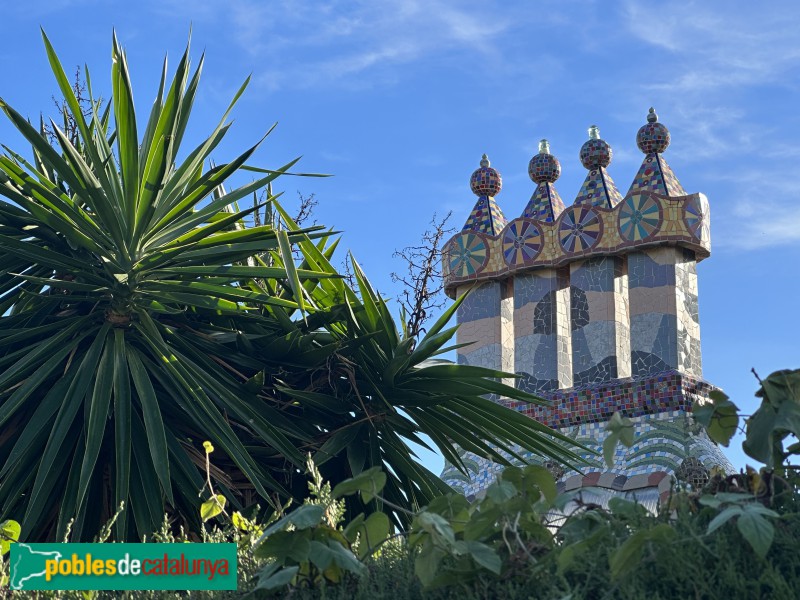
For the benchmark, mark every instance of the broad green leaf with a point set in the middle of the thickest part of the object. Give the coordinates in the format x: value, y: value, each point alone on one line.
x: 303, y: 517
x: 280, y: 578
x: 723, y: 517
x: 626, y: 508
x: 757, y: 530
x: 283, y: 545
x: 353, y: 528
x: 623, y: 427
x: 533, y: 480
x: 341, y: 556
x: 212, y: 507
x: 437, y: 526
x: 720, y: 417
x: 373, y: 532
x: 485, y: 556
x: 427, y: 562
x: 368, y: 483
x: 501, y: 491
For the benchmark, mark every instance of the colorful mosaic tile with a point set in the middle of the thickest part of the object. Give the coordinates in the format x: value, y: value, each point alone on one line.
x: 639, y: 218
x: 467, y: 253
x: 544, y: 167
x: 486, y: 217
x: 666, y: 447
x: 671, y: 390
x: 580, y: 228
x: 598, y: 189
x: 653, y: 137
x: 595, y: 153
x: 656, y: 176
x: 485, y: 180
x: 545, y: 204
x: 522, y: 241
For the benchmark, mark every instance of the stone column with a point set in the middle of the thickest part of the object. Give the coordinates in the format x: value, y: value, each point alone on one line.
x: 486, y: 319
x: 665, y: 328
x: 599, y: 320
x: 541, y: 331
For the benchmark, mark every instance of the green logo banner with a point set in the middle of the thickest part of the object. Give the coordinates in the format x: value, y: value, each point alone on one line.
x: 123, y: 566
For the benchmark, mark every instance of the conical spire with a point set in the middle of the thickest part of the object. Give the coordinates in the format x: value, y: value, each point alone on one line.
x: 486, y: 216
x: 655, y: 175
x: 544, y: 169
x: 598, y: 188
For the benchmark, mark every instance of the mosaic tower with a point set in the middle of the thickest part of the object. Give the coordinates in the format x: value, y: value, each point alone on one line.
x: 595, y: 307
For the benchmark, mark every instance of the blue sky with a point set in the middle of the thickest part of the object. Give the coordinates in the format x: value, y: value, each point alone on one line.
x: 399, y: 99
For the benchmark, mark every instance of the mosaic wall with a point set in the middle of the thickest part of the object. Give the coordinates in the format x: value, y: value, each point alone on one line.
x: 485, y: 319
x: 667, y: 443
x: 599, y: 320
x: 667, y: 391
x: 542, y: 340
x: 665, y: 329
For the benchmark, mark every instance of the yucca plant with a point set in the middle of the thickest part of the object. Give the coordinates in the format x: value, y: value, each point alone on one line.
x: 105, y: 244
x: 140, y: 316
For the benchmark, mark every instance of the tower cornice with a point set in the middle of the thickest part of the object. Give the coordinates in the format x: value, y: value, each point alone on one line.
x: 641, y: 220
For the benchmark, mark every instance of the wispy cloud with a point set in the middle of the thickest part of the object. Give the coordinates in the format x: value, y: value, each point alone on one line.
x: 764, y: 229
x: 755, y: 217
x: 709, y: 59
x: 719, y: 48
x: 312, y: 44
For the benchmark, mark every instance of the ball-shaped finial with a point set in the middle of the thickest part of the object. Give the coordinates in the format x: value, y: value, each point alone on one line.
x: 595, y: 152
x: 486, y: 181
x: 653, y: 136
x: 544, y: 166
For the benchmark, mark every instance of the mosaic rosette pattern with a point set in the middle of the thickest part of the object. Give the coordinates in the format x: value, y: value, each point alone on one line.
x: 467, y: 254
x: 695, y: 212
x: 639, y: 218
x: 522, y: 242
x: 580, y: 229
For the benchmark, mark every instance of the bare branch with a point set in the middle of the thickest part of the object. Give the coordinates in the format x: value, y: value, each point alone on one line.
x: 349, y: 275
x: 422, y: 283
x: 306, y: 208
x: 69, y: 125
